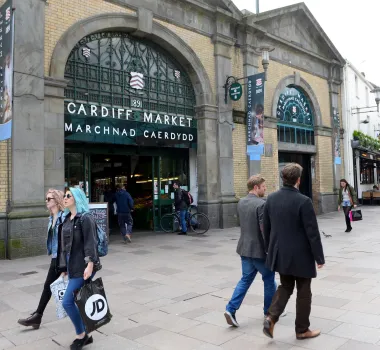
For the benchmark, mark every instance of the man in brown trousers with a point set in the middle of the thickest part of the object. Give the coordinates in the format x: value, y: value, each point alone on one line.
x: 294, y: 248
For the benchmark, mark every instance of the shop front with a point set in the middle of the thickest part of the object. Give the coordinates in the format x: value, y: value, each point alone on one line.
x: 129, y: 121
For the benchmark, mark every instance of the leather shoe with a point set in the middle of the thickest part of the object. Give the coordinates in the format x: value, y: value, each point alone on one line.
x: 33, y: 321
x: 308, y: 334
x: 268, y: 327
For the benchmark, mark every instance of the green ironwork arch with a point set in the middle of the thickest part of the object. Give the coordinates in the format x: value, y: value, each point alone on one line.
x: 99, y: 72
x: 295, y: 117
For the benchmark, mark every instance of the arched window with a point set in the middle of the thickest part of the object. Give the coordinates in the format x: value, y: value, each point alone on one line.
x: 295, y: 117
x: 116, y: 69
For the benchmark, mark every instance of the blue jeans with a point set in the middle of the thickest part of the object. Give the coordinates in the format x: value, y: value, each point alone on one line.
x: 182, y: 216
x: 69, y: 305
x: 250, y: 267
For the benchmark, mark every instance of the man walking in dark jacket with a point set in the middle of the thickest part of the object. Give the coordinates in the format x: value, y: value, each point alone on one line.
x: 294, y: 248
x: 124, y: 203
x: 251, y: 249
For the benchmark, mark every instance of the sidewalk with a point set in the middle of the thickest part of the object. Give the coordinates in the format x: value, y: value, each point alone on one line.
x: 169, y: 292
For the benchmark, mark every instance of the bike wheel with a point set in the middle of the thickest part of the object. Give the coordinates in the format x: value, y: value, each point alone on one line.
x: 199, y: 223
x: 170, y: 223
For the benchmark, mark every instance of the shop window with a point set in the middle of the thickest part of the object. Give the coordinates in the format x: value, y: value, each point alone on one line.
x: 74, y: 170
x: 367, y: 172
x: 295, y: 117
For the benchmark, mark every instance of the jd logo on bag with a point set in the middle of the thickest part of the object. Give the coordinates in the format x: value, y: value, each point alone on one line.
x: 93, y: 305
x: 61, y: 294
x: 96, y: 307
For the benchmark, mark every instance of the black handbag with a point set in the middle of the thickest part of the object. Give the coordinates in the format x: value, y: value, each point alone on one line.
x: 93, y: 305
x: 356, y: 215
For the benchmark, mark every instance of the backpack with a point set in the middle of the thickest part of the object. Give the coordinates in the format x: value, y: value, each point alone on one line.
x: 187, y: 197
x: 102, y: 246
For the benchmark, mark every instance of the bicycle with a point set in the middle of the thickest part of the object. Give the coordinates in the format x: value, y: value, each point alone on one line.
x: 197, y: 222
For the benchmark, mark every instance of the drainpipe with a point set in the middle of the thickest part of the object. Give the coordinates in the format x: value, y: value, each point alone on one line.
x: 257, y: 7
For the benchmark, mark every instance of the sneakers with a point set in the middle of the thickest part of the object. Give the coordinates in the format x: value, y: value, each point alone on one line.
x: 231, y: 319
x: 33, y: 321
x: 78, y: 344
x: 128, y: 238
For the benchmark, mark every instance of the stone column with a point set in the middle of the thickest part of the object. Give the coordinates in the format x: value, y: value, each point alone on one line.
x: 54, y: 174
x: 251, y: 67
x: 334, y: 90
x: 208, y: 165
x: 223, y: 66
x: 27, y: 234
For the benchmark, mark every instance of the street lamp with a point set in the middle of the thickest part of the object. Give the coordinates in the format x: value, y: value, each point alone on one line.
x: 376, y: 91
x: 265, y: 57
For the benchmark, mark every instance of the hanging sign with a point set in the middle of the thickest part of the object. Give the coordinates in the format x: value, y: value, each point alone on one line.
x: 6, y: 70
x: 255, y: 116
x: 236, y: 91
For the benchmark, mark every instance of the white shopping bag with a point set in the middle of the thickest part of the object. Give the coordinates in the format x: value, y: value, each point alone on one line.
x: 58, y: 290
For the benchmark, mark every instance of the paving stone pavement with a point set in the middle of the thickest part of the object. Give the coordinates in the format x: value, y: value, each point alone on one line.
x: 169, y: 292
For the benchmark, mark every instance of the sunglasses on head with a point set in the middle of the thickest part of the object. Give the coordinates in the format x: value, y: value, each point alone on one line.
x: 68, y: 196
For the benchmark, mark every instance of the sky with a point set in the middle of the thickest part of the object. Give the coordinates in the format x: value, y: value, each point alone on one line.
x: 353, y: 27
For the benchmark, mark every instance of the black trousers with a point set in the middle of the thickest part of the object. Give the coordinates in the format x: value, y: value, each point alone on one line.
x: 52, y: 275
x: 346, y: 211
x: 303, y: 303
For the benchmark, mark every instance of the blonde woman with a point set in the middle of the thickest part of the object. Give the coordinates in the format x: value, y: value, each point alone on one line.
x: 54, y: 203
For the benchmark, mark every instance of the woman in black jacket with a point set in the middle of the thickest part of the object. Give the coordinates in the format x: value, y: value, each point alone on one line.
x: 347, y: 199
x: 77, y: 256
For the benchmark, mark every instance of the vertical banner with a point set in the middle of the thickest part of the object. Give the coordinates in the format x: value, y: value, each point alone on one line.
x: 255, y: 116
x: 6, y: 70
x: 336, y: 123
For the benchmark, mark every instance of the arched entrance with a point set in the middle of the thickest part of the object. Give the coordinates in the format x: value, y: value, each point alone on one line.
x: 295, y: 133
x: 178, y: 75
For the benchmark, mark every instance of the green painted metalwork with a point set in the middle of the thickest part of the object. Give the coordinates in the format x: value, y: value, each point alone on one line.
x: 99, y: 72
x: 295, y: 117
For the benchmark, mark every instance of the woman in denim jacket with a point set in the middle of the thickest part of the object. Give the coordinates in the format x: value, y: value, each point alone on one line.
x: 54, y: 203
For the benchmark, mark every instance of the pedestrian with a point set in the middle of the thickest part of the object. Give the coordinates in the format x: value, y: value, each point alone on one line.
x: 294, y: 246
x: 251, y: 249
x: 124, y: 207
x: 180, y: 206
x: 77, y: 254
x: 54, y: 203
x: 347, y: 199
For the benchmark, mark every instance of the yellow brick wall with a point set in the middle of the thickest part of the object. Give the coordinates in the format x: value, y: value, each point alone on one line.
x: 269, y: 165
x: 4, y: 169
x: 324, y: 170
x: 60, y: 15
x: 239, y: 136
x: 202, y: 46
x: 278, y: 71
x: 238, y: 72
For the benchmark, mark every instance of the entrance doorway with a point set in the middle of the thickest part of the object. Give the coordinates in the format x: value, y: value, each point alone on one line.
x: 305, y: 161
x: 148, y: 175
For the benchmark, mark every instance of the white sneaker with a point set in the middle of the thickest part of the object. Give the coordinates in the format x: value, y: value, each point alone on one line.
x: 231, y: 319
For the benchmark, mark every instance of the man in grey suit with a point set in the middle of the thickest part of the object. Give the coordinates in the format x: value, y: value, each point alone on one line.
x: 251, y: 248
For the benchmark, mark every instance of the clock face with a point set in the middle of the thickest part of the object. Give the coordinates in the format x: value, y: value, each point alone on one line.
x: 293, y: 106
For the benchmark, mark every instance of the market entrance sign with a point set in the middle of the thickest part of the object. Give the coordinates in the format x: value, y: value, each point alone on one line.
x: 236, y: 91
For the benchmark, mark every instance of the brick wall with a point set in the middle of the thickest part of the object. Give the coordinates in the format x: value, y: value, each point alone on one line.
x: 238, y: 72
x: 269, y: 165
x: 324, y: 170
x: 4, y: 169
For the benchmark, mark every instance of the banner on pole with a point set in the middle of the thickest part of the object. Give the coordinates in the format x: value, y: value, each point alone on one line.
x: 255, y: 116
x: 6, y: 70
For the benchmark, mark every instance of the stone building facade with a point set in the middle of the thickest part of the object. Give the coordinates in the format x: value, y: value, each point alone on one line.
x: 205, y: 42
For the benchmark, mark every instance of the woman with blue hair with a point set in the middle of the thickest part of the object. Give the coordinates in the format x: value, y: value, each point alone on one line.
x: 77, y: 255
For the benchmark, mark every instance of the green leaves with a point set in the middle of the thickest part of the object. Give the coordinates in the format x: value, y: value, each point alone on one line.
x: 366, y: 141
